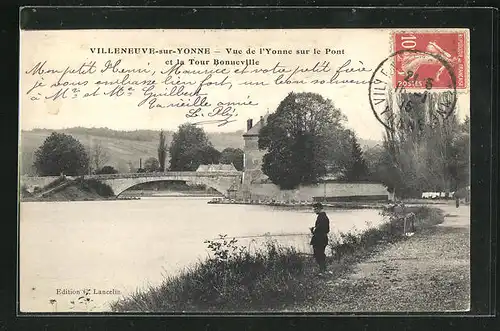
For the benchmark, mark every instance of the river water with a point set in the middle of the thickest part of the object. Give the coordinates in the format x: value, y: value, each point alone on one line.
x: 115, y: 247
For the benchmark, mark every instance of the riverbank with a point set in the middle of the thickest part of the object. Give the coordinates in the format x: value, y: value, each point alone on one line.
x: 332, y: 205
x: 274, y: 278
x: 66, y: 189
x: 428, y: 272
x: 304, y: 204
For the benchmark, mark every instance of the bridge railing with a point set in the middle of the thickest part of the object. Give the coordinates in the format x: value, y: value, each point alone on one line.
x: 167, y: 174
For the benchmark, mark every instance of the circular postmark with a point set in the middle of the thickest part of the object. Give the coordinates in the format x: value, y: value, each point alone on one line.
x: 391, y: 97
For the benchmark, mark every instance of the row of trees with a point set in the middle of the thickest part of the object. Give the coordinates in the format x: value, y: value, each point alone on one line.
x: 137, y: 135
x: 190, y: 147
x: 423, y: 149
x: 305, y: 140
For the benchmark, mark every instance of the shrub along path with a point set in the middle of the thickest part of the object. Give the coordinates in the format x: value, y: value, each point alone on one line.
x: 429, y: 271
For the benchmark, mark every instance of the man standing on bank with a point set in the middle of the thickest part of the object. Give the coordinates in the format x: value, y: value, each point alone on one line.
x: 320, y: 236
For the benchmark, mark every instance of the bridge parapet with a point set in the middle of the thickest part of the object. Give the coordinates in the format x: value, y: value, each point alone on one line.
x: 171, y: 174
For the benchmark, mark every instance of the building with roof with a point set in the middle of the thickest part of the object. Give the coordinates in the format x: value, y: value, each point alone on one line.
x: 216, y: 168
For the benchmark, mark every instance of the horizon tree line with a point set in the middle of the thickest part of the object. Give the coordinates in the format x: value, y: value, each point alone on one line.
x: 305, y: 139
x: 62, y: 153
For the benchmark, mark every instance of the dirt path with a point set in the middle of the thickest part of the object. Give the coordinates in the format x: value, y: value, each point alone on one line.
x: 429, y: 271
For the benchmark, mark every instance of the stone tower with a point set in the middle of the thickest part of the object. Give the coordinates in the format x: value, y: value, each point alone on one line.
x: 252, y: 157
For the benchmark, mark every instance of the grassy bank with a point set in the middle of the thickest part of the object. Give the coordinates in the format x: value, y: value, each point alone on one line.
x: 272, y: 278
x: 428, y: 273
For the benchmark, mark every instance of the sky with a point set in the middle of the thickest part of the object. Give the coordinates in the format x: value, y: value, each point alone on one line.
x: 62, y: 50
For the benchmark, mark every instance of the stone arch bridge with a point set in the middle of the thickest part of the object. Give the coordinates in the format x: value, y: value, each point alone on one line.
x: 221, y: 181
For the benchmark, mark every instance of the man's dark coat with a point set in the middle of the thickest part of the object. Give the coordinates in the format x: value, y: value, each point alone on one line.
x: 321, y: 229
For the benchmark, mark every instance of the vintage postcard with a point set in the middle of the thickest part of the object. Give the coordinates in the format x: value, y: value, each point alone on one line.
x: 296, y: 170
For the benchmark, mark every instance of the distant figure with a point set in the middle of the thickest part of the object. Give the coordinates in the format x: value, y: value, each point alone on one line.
x: 409, y: 224
x: 319, y: 239
x: 457, y: 202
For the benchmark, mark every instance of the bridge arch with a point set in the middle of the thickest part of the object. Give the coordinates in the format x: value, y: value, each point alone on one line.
x: 219, y: 182
x: 123, y: 187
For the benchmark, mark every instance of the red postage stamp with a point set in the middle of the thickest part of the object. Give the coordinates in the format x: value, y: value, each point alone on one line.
x: 426, y: 60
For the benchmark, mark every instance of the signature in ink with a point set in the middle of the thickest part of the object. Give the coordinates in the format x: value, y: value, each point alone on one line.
x: 226, y: 112
x: 219, y: 122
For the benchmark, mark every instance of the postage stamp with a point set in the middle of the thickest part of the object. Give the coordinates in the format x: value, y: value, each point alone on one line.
x: 426, y: 69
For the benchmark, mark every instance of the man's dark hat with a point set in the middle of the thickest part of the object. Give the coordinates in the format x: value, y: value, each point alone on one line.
x: 317, y: 205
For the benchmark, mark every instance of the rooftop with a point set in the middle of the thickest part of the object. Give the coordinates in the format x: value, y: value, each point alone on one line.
x: 216, y: 167
x: 254, y: 130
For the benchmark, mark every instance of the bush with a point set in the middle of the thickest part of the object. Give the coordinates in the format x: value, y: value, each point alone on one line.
x: 232, y: 278
x: 94, y: 185
x: 151, y: 165
x: 274, y: 277
x: 106, y: 170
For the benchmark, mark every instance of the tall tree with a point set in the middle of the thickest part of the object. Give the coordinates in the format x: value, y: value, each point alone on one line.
x: 465, y: 125
x: 459, y: 166
x: 162, y: 151
x: 357, y: 169
x: 422, y: 145
x: 299, y: 138
x: 61, y: 153
x: 385, y: 170
x: 98, y: 156
x: 189, y: 148
x: 372, y: 156
x: 131, y: 167
x: 233, y: 156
